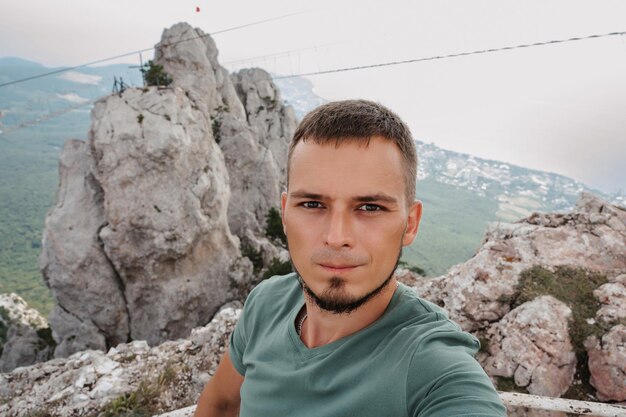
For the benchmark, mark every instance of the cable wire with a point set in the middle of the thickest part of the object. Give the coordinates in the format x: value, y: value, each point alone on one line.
x: 99, y: 61
x: 476, y: 52
x: 437, y: 57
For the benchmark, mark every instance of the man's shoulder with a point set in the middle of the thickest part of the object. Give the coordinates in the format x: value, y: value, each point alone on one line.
x: 428, y: 323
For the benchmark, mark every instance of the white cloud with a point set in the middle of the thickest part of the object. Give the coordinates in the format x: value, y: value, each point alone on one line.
x: 79, y: 77
x: 73, y: 98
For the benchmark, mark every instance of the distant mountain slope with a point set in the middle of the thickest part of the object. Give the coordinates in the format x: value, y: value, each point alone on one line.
x: 519, y: 191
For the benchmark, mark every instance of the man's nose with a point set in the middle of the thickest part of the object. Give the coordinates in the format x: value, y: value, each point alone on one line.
x: 340, y: 230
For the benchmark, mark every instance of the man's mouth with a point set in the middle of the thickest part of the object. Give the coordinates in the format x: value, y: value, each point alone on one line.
x: 338, y: 268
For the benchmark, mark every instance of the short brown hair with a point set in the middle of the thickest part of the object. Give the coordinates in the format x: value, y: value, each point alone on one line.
x: 358, y: 121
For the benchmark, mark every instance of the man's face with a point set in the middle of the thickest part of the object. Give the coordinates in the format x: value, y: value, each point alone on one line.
x: 346, y: 217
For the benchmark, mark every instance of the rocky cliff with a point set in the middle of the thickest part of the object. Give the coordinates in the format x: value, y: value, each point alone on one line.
x: 546, y: 297
x: 556, y: 326
x: 144, y: 242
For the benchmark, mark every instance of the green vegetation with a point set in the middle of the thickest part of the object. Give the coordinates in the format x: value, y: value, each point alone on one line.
x: 216, y: 122
x: 144, y: 400
x: 255, y: 256
x: 484, y: 344
x: 28, y: 182
x: 453, y: 225
x: 4, y: 327
x: 155, y: 75
x: 274, y: 227
x: 507, y: 384
x: 216, y: 127
x: 413, y: 268
x: 574, y: 287
x: 277, y: 267
x: 269, y: 102
x: 45, y: 338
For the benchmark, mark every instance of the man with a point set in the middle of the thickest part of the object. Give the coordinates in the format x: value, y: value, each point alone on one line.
x: 341, y: 337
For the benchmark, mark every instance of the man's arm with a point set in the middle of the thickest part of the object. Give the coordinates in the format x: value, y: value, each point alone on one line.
x: 220, y: 396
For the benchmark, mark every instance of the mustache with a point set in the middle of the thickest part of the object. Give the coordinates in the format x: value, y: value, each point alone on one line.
x: 332, y: 256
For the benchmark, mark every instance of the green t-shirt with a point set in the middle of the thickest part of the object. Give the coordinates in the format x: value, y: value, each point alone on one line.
x: 412, y: 361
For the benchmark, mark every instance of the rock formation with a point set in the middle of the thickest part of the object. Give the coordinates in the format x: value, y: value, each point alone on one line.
x: 607, y: 363
x: 144, y: 240
x: 531, y: 344
x: 478, y: 292
x: 90, y: 302
x: 131, y: 377
x: 529, y: 348
x: 25, y: 337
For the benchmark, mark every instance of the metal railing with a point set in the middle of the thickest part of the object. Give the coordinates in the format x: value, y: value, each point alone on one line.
x: 513, y: 399
x: 561, y: 404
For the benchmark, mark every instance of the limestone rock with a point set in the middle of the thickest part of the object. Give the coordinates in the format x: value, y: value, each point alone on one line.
x: 532, y: 344
x: 478, y: 292
x: 612, y: 296
x: 24, y: 334
x: 86, y: 287
x: 25, y: 346
x: 249, y: 122
x: 16, y: 310
x: 144, y: 241
x: 166, y: 198
x: 189, y: 56
x: 607, y: 364
x: 163, y: 378
x: 257, y: 156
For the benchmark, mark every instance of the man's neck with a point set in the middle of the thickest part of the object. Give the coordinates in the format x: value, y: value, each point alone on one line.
x: 322, y: 327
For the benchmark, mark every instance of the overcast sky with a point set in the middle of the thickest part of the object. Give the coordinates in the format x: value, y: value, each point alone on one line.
x: 558, y: 108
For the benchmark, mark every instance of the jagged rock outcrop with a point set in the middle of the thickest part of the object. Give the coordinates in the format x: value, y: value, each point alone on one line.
x: 478, y: 292
x: 144, y: 241
x: 24, y: 334
x: 531, y: 344
x: 144, y: 380
x: 249, y: 122
x: 607, y: 364
x: 90, y: 311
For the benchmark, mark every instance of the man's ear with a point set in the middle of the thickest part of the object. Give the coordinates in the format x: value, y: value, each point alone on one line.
x: 283, y: 203
x: 413, y: 223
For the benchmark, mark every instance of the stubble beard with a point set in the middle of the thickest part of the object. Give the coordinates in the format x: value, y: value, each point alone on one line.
x: 335, y: 300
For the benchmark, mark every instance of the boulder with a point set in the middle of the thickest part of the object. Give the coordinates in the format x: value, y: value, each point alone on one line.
x: 131, y: 377
x: 25, y: 336
x: 531, y: 344
x: 607, y: 364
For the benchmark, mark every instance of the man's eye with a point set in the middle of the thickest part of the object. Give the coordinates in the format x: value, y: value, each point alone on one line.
x: 370, y: 207
x: 312, y: 204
